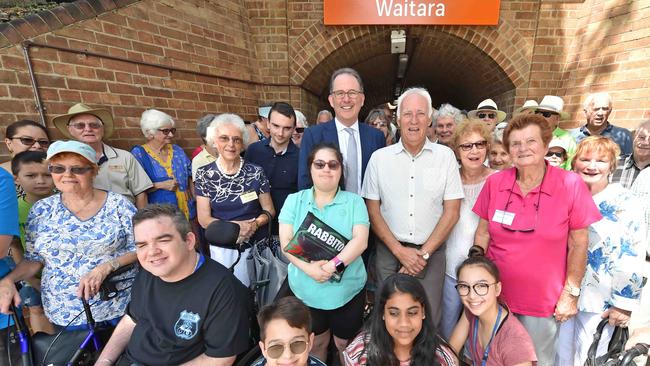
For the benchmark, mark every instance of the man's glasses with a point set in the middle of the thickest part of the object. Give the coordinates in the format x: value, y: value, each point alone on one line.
x: 487, y: 115
x: 82, y: 126
x: 296, y: 347
x: 332, y: 164
x: 558, y: 154
x: 480, y: 145
x: 480, y: 288
x: 28, y: 141
x: 76, y: 170
x: 352, y: 94
x: 539, y: 197
x: 166, y: 131
x: 546, y: 114
x: 236, y: 140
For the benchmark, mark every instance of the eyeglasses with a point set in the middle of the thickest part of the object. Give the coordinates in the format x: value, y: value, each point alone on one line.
x: 296, y: 347
x: 546, y: 114
x: 28, y: 141
x: 76, y: 170
x: 300, y: 129
x: 82, y: 126
x: 480, y: 288
x: 332, y: 164
x: 554, y: 153
x: 539, y: 197
x: 166, y: 131
x: 480, y: 145
x: 487, y: 115
x: 380, y: 124
x: 352, y: 94
x: 236, y: 140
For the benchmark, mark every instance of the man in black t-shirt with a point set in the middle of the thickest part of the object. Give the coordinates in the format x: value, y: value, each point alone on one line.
x: 184, y: 307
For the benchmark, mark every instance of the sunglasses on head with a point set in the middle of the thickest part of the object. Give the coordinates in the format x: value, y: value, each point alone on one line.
x: 546, y: 114
x: 76, y: 170
x: 296, y: 347
x: 332, y: 164
x: 558, y: 154
x: 486, y: 115
x: 82, y: 125
x: 28, y: 141
x: 300, y: 129
x: 166, y: 131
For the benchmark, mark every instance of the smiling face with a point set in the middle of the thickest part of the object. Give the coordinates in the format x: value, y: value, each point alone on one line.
x: 553, y: 158
x: 445, y: 127
x: 641, y: 144
x: 593, y: 167
x: 326, y: 179
x: 67, y: 182
x: 403, y: 317
x: 414, y: 120
x: 346, y: 109
x: 16, y: 146
x: 160, y: 137
x: 526, y: 146
x: 471, y: 275
x: 498, y: 157
x: 279, y: 333
x: 162, y: 251
x: 228, y: 142
x: 475, y: 156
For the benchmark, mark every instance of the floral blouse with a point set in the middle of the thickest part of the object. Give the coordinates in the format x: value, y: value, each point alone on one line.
x: 69, y: 248
x: 616, y: 253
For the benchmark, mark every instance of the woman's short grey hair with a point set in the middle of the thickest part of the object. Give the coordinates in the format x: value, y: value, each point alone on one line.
x: 301, y: 120
x: 448, y: 110
x: 419, y: 91
x: 152, y: 120
x: 222, y: 120
x: 202, y: 125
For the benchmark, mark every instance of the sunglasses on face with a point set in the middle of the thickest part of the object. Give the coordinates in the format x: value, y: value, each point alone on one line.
x: 296, y: 347
x: 76, y: 170
x: 82, y: 125
x: 546, y: 114
x: 332, y: 164
x: 555, y: 153
x: 480, y: 288
x: 487, y: 115
x: 300, y: 129
x: 480, y: 145
x: 166, y: 131
x: 28, y: 141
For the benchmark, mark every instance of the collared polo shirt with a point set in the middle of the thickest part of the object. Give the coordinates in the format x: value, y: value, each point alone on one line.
x: 533, y: 264
x: 570, y: 143
x: 122, y: 173
x: 202, y: 158
x: 626, y: 171
x: 342, y: 214
x: 281, y: 170
x: 412, y: 189
x: 622, y: 136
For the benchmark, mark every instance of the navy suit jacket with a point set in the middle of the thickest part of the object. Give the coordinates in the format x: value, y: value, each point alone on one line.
x: 371, y: 139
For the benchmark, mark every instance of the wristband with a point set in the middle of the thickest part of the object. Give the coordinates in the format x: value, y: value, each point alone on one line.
x: 338, y: 264
x: 115, y: 264
x: 105, y: 360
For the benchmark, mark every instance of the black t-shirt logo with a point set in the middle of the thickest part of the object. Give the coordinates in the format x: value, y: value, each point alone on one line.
x: 187, y: 325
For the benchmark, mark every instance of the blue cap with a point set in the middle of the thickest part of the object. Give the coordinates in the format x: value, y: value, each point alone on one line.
x: 74, y: 147
x: 264, y: 111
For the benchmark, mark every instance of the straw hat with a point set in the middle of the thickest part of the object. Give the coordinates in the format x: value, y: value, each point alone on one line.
x: 555, y: 104
x: 487, y: 105
x: 529, y: 104
x: 61, y: 122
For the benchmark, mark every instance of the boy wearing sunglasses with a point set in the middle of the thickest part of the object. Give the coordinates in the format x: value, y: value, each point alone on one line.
x: 285, y: 333
x: 556, y: 154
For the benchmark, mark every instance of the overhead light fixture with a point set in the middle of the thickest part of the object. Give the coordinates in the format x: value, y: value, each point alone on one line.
x: 401, y: 65
x: 398, y: 41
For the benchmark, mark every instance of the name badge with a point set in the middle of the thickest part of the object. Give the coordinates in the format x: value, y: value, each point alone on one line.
x: 117, y: 168
x: 248, y: 196
x: 503, y: 217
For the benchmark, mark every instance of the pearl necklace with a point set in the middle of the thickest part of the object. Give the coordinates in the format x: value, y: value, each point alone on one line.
x: 223, y: 171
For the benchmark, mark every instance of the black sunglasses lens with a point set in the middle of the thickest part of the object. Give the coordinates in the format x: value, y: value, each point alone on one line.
x: 300, y: 129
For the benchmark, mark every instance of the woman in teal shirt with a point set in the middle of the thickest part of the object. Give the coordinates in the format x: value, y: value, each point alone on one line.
x: 334, y: 306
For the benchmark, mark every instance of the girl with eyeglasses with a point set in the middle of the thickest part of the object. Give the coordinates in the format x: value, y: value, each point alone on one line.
x: 399, y: 331
x: 336, y: 307
x: 25, y: 135
x: 490, y: 333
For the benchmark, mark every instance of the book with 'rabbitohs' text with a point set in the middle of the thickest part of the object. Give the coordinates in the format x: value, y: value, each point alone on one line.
x: 315, y: 241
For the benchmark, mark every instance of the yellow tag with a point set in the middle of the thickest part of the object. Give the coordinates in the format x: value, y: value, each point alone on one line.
x: 248, y: 196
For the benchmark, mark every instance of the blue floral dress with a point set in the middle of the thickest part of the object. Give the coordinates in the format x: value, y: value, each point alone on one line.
x: 69, y: 248
x: 616, y: 253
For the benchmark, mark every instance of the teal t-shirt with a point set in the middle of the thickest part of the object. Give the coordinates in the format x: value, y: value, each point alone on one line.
x: 570, y: 143
x: 342, y: 214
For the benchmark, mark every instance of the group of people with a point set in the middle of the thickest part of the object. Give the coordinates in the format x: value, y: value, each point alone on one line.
x: 485, y: 241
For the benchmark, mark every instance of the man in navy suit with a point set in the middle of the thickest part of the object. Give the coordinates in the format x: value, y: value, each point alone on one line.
x: 346, y: 98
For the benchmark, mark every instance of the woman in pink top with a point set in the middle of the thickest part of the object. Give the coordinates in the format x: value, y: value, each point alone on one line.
x: 533, y: 225
x: 491, y: 334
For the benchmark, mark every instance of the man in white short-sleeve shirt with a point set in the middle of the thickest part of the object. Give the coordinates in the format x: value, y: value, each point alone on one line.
x: 413, y: 192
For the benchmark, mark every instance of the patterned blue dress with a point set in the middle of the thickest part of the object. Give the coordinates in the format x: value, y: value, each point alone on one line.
x: 69, y: 248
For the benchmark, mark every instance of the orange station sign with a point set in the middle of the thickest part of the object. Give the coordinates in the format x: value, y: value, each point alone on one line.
x: 422, y: 12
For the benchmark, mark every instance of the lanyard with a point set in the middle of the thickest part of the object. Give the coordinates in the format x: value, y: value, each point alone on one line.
x: 476, y: 340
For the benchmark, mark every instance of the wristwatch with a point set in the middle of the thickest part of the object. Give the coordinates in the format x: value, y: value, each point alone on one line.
x: 426, y: 256
x: 573, y: 291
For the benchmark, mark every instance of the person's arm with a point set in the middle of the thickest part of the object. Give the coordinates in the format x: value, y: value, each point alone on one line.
x: 567, y: 305
x: 459, y: 334
x: 204, y: 211
x: 90, y: 282
x: 408, y: 257
x: 449, y: 218
x: 204, y: 360
x: 118, y: 341
x: 8, y: 293
x: 141, y: 200
x: 312, y: 269
x: 482, y: 235
x: 353, y: 249
x: 249, y: 227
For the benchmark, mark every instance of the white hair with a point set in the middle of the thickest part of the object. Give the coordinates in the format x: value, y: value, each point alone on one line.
x: 590, y: 99
x: 301, y: 120
x: 222, y: 120
x: 448, y: 110
x: 152, y: 120
x: 419, y: 91
x: 325, y: 111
